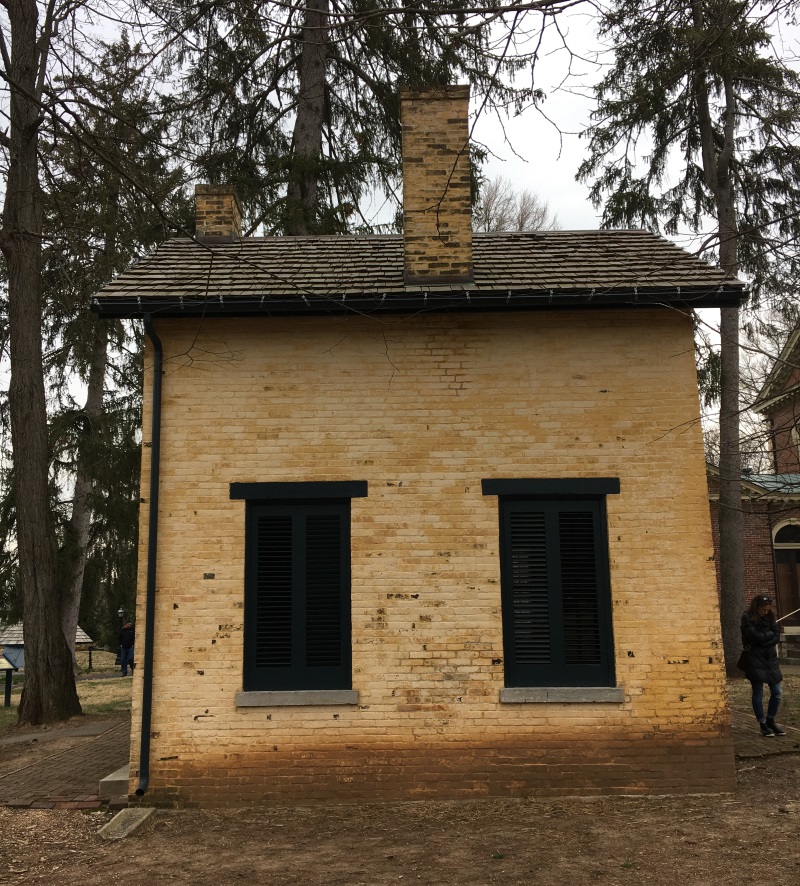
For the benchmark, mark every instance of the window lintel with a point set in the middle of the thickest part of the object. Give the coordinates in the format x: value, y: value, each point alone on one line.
x: 297, y: 490
x: 567, y: 486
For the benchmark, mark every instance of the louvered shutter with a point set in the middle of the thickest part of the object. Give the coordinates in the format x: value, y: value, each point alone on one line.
x: 273, y: 592
x: 297, y: 601
x: 529, y: 595
x: 556, y: 604
x: 579, y: 587
x: 323, y: 590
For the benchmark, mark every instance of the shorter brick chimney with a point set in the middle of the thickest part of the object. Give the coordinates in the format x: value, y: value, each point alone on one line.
x: 437, y: 206
x: 218, y: 213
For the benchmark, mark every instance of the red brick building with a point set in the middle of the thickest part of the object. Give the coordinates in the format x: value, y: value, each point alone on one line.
x: 771, y: 502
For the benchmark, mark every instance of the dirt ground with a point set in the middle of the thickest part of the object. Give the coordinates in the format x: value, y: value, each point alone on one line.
x: 751, y: 835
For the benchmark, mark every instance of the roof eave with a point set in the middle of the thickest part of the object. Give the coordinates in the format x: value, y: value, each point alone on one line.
x: 763, y: 495
x: 132, y: 307
x: 766, y: 406
x: 770, y: 390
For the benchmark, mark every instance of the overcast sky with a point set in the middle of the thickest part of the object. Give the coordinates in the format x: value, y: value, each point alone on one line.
x: 542, y: 160
x: 543, y: 156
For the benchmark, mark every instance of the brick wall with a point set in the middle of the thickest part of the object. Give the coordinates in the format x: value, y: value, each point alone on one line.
x: 423, y: 408
x: 786, y: 452
x: 760, y: 517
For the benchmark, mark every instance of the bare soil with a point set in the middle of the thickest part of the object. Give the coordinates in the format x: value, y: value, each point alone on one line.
x: 751, y: 835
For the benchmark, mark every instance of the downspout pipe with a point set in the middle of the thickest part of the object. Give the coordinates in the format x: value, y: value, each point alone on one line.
x: 152, y: 550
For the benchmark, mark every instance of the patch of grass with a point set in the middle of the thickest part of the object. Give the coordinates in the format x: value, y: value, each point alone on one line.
x: 108, y: 707
x: 102, y: 661
x: 8, y: 717
x: 101, y: 696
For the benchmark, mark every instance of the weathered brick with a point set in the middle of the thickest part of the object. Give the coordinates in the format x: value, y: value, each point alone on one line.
x: 437, y: 204
x: 217, y: 211
x: 282, y: 399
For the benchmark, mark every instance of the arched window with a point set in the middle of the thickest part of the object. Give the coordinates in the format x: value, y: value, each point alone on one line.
x: 787, y: 535
x: 786, y: 549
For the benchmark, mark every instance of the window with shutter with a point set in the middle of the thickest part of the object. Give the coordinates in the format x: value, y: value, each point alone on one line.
x: 297, y: 593
x: 556, y: 599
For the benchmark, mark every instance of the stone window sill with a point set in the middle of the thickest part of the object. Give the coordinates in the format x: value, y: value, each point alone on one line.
x: 562, y: 695
x: 297, y: 698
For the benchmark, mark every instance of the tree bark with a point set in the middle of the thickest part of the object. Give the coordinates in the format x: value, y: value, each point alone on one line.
x: 49, y: 693
x: 76, y: 547
x: 731, y: 517
x: 717, y: 158
x: 302, y: 197
x: 731, y: 524
x: 77, y: 541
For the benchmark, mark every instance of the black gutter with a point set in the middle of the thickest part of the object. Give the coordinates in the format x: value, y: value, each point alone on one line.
x: 468, y: 300
x: 152, y: 550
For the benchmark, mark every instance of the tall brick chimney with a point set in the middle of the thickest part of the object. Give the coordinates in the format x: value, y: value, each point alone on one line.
x: 437, y: 210
x: 218, y: 213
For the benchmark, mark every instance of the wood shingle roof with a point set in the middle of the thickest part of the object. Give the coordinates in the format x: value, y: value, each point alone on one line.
x: 297, y: 274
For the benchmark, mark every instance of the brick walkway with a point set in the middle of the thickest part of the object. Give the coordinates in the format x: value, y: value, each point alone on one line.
x: 68, y: 779
x: 748, y: 741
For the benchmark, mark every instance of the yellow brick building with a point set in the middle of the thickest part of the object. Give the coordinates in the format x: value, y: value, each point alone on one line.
x: 423, y: 518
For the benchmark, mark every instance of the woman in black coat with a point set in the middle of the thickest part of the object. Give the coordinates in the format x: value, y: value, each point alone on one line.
x: 760, y: 636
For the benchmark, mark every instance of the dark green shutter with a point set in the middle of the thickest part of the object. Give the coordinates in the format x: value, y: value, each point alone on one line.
x: 579, y: 587
x: 529, y: 598
x: 273, y: 592
x: 555, y: 593
x: 323, y: 590
x: 297, y: 596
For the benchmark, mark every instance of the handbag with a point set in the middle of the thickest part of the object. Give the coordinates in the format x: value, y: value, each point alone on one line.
x: 744, y: 661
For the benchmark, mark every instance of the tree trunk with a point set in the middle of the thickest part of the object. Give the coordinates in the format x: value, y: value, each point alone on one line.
x: 76, y: 548
x: 731, y: 518
x: 77, y: 541
x: 49, y: 693
x: 731, y: 524
x: 302, y: 197
x: 717, y: 156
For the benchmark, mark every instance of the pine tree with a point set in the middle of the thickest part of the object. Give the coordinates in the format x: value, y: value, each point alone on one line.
x: 697, y: 120
x: 64, y: 229
x: 296, y: 104
x: 49, y: 692
x: 109, y: 193
x: 252, y: 71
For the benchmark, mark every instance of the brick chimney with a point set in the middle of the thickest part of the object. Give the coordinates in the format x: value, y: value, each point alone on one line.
x: 437, y: 210
x: 218, y: 213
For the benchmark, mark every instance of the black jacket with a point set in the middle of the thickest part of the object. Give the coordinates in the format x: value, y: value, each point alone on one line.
x: 126, y: 638
x: 762, y: 636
